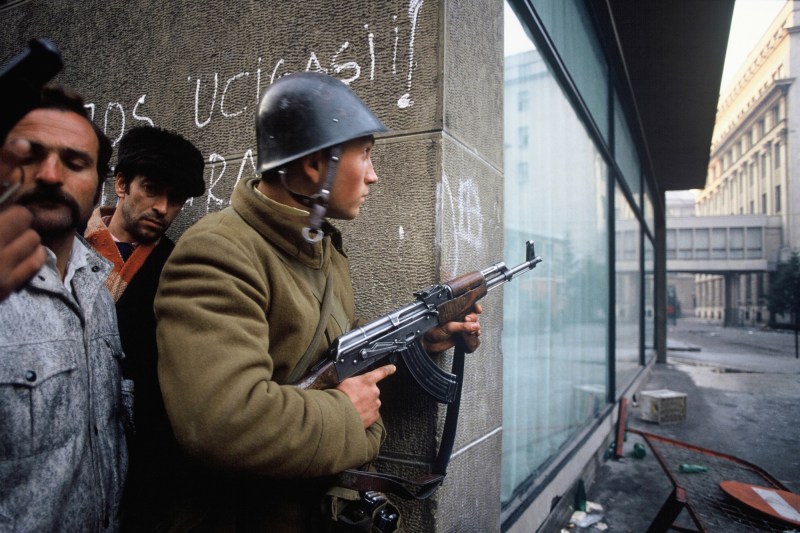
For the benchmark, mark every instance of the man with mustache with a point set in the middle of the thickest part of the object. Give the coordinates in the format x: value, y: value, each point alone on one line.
x: 63, y: 456
x: 156, y: 172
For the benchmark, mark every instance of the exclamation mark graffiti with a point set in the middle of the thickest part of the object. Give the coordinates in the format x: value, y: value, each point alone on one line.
x: 258, y: 82
x: 413, y: 13
x: 394, y: 55
x: 371, y: 40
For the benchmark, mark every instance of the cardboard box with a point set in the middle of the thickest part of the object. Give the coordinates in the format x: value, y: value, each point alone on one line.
x: 662, y: 406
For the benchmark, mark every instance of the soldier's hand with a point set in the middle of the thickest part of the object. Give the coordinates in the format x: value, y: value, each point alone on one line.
x: 443, y: 337
x: 363, y: 391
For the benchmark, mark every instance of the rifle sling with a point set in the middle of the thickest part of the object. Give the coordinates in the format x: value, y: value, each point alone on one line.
x: 424, y: 486
x: 325, y: 311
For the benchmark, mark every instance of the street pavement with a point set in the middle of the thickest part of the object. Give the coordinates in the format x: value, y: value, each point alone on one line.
x: 742, y: 387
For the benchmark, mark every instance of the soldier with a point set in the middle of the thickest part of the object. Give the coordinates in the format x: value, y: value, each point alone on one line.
x: 240, y: 316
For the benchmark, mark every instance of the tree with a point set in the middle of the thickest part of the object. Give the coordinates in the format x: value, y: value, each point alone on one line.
x: 784, y: 293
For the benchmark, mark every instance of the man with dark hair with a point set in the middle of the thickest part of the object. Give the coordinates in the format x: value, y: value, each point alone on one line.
x: 63, y: 456
x: 156, y: 172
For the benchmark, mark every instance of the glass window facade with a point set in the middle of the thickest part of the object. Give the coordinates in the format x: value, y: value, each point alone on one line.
x: 628, y: 285
x: 649, y: 301
x: 574, y: 184
x: 569, y: 28
x: 649, y: 215
x: 555, y: 321
x: 625, y: 153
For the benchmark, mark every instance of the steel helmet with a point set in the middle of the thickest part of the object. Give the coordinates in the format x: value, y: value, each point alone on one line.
x: 304, y: 112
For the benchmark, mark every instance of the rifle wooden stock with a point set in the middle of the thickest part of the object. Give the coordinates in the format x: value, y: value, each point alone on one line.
x: 321, y: 377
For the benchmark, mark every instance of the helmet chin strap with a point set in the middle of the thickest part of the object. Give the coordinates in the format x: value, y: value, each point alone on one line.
x: 317, y: 203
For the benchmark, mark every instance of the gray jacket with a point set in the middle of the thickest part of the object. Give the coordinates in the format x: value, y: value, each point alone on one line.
x: 63, y: 458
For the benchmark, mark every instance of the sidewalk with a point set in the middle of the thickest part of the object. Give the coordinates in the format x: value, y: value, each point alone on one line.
x: 742, y: 400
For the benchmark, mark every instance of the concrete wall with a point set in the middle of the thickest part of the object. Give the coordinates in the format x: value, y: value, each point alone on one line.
x: 430, y: 69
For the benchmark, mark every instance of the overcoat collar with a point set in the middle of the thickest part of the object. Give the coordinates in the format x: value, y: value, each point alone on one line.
x: 283, y: 225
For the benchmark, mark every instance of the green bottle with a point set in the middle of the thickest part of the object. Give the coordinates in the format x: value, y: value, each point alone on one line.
x: 639, y: 451
x: 580, y: 497
x: 692, y: 469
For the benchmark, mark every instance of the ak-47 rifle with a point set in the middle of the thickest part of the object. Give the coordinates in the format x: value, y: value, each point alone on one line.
x: 398, y: 335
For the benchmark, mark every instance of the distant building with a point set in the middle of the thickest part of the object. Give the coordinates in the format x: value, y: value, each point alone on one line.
x: 752, y: 169
x: 680, y: 203
x: 681, y: 290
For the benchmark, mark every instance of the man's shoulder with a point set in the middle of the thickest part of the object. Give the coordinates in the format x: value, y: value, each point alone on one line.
x: 151, y: 269
x: 99, y: 265
x: 224, y: 237
x: 225, y: 224
x: 165, y: 246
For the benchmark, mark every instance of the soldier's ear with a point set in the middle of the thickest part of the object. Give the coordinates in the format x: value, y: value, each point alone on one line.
x: 313, y: 166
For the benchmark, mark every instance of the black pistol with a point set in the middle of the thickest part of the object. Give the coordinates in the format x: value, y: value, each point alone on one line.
x: 22, y: 78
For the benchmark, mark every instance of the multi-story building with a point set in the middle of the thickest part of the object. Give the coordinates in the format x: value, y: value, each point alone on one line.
x: 753, y: 170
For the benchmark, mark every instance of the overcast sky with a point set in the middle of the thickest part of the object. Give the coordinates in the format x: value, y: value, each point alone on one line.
x: 751, y: 18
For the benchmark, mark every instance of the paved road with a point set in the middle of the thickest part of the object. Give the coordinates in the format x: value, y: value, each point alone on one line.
x: 737, y: 348
x: 744, y: 389
x: 743, y: 399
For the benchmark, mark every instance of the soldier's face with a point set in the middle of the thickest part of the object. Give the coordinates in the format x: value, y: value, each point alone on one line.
x: 354, y: 175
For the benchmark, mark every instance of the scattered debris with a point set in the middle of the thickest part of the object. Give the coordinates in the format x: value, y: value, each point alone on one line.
x: 692, y: 469
x: 583, y: 519
x: 592, y: 507
x: 591, y: 517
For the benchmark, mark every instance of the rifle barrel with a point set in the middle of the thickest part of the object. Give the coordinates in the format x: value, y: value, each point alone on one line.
x: 500, y: 273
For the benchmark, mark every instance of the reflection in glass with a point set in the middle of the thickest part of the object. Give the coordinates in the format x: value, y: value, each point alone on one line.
x: 555, y: 324
x: 649, y: 300
x: 625, y: 153
x: 628, y: 290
